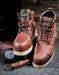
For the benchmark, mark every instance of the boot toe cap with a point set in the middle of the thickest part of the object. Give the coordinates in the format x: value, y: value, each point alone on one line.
x: 41, y: 60
x: 22, y: 43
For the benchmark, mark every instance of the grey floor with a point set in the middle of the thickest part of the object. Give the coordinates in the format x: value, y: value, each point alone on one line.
x: 51, y: 69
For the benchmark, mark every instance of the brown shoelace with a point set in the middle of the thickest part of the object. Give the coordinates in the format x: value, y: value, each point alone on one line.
x: 24, y: 27
x: 45, y: 32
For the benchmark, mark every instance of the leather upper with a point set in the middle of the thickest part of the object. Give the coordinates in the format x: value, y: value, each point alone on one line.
x: 26, y: 25
x: 22, y: 42
x: 46, y: 41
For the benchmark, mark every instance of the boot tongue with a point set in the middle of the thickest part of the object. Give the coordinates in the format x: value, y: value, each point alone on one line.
x: 24, y: 15
x: 47, y: 20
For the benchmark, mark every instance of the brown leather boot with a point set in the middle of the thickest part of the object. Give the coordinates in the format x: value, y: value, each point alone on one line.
x: 23, y: 43
x: 46, y: 39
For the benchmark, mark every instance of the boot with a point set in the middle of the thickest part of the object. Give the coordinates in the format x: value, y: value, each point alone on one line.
x: 44, y: 49
x: 23, y: 42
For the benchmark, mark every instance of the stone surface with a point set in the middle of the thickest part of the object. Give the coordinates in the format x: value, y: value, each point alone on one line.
x: 28, y: 69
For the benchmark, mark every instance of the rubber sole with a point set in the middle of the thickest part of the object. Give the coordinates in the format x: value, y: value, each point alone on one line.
x: 23, y: 53
x: 42, y: 66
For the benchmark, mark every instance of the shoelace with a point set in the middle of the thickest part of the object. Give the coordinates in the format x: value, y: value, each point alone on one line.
x: 24, y: 27
x: 45, y: 32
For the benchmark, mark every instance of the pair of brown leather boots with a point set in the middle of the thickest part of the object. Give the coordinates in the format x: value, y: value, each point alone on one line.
x: 23, y: 44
